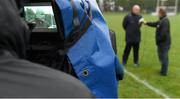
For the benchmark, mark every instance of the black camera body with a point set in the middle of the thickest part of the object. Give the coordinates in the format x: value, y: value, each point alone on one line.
x: 46, y: 38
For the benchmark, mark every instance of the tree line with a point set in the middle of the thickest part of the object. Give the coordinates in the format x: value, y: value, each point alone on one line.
x: 147, y: 6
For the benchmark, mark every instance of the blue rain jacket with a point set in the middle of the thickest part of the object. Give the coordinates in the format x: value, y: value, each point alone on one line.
x: 92, y: 57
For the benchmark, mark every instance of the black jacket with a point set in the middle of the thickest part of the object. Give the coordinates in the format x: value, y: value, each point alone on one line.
x: 23, y: 79
x: 163, y: 37
x: 20, y: 78
x: 20, y: 5
x: 132, y: 27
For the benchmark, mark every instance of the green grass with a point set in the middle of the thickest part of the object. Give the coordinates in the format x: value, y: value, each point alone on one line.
x: 149, y: 63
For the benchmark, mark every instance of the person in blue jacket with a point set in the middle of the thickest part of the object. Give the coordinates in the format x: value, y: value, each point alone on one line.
x: 92, y: 57
x: 20, y: 78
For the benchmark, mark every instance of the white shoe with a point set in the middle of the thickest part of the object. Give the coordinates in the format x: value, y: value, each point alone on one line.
x: 136, y: 65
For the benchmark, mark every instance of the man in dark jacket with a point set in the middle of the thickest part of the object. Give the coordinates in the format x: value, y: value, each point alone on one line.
x: 163, y: 39
x: 20, y: 78
x: 132, y: 25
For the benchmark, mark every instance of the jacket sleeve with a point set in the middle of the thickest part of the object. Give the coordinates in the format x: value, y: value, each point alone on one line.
x: 140, y: 23
x: 119, y: 70
x: 125, y: 22
x: 152, y: 24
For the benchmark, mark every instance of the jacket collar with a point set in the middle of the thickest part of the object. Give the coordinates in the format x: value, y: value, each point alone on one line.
x: 161, y: 18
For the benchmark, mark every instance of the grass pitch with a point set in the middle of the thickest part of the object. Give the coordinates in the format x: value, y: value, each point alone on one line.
x: 149, y: 63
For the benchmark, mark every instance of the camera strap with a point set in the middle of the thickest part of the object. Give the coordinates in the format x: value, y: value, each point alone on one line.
x: 79, y: 27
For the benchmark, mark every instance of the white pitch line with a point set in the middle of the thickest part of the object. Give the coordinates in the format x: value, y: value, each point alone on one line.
x: 145, y: 83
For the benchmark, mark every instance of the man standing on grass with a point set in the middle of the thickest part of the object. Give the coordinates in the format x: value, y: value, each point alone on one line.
x: 132, y: 24
x: 163, y: 39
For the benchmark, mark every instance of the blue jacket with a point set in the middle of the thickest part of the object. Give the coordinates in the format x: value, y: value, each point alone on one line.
x: 92, y: 57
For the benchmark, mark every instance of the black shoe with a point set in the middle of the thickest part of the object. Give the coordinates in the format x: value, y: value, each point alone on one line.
x: 163, y: 74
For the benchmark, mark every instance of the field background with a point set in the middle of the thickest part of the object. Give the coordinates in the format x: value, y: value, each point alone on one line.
x: 149, y: 63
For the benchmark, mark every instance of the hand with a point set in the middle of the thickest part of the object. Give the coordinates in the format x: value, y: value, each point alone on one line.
x: 142, y: 21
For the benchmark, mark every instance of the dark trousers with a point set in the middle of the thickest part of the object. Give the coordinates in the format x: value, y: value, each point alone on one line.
x: 163, y: 57
x: 127, y: 51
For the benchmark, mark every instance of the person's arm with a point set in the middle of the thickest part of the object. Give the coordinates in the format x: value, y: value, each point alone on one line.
x: 152, y: 24
x: 141, y: 20
x: 125, y: 22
